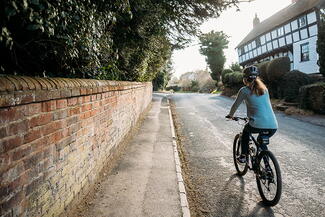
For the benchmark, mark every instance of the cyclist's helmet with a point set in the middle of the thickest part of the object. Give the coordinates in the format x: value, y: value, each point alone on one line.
x: 251, y: 73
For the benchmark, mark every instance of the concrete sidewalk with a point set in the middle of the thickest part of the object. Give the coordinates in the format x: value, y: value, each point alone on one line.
x: 144, y: 182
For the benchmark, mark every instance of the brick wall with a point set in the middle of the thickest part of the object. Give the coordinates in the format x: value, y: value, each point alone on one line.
x: 57, y: 134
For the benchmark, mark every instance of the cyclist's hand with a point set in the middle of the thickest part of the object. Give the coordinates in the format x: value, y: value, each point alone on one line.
x: 229, y: 117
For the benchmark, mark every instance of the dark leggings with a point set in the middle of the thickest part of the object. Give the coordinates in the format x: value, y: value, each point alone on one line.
x: 248, y: 130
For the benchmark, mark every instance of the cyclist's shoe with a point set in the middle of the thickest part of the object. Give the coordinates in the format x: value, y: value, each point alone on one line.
x: 242, y: 159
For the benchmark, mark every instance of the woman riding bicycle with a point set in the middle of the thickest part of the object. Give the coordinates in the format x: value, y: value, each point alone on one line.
x: 259, y: 110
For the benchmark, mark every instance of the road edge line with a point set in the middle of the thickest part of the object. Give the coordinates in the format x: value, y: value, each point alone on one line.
x: 181, y: 186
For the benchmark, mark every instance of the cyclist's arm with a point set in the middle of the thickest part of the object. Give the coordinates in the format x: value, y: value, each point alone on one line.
x: 238, y: 101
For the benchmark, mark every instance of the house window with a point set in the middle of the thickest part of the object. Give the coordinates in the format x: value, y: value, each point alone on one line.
x: 280, y: 31
x: 242, y: 50
x: 287, y: 28
x: 264, y: 49
x: 289, y: 39
x: 268, y: 36
x: 304, y: 52
x: 296, y: 36
x: 282, y: 42
x: 275, y: 44
x: 313, y: 30
x: 302, y: 21
x: 294, y: 25
x: 253, y: 44
x: 274, y: 34
x: 304, y: 33
x: 311, y: 17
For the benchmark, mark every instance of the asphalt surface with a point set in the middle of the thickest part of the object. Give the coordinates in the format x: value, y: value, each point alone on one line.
x: 298, y: 145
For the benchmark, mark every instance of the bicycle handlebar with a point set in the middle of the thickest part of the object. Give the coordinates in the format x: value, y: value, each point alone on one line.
x: 239, y: 118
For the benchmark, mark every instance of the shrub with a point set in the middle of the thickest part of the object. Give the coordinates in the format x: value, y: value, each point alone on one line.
x: 223, y: 75
x: 275, y: 71
x: 312, y: 97
x: 277, y: 68
x: 290, y: 84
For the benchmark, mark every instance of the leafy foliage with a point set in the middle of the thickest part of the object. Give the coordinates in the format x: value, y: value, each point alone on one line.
x: 235, y: 67
x: 291, y: 83
x: 117, y: 40
x: 212, y: 46
x: 312, y: 97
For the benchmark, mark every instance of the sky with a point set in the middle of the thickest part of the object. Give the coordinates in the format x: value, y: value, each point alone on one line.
x: 236, y: 24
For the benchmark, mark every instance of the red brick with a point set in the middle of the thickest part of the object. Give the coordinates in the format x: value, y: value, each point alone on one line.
x: 72, y: 101
x: 21, y: 153
x: 61, y: 103
x: 41, y: 120
x: 74, y: 111
x: 32, y: 135
x: 11, y: 114
x: 48, y: 106
x: 14, y: 201
x: 52, y: 127
x: 3, y: 132
x: 34, y: 185
x: 12, y: 143
x: 65, y: 93
x: 60, y: 114
x: 86, y: 99
x: 93, y: 98
x: 12, y: 173
x: 32, y: 160
x: 34, y: 108
x: 18, y: 128
x: 15, y: 185
x: 4, y: 162
x: 94, y: 112
x: 54, y: 137
x: 39, y: 144
x: 86, y: 107
x: 72, y: 120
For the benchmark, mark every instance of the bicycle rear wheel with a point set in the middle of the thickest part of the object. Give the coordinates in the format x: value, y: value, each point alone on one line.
x: 240, y: 167
x: 268, y: 178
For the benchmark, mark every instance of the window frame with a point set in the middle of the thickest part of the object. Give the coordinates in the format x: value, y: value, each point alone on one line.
x: 304, y: 58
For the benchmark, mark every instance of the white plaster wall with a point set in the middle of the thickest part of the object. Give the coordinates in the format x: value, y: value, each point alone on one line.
x: 310, y: 66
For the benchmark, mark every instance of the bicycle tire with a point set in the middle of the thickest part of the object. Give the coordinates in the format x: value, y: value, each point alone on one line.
x: 266, y: 178
x: 240, y: 168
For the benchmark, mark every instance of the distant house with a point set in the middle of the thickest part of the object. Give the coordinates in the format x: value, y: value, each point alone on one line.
x: 290, y: 32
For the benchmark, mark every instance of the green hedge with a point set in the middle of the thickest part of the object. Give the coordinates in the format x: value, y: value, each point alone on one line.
x: 277, y: 68
x: 290, y: 84
x: 313, y: 97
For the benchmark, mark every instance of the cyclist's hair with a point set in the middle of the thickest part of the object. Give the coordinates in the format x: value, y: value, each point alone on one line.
x: 257, y: 86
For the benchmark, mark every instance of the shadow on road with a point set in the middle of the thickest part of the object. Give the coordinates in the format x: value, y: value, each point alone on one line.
x: 261, y: 210
x: 230, y: 199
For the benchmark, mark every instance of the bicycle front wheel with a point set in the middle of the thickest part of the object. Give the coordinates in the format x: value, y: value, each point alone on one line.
x: 240, y: 167
x: 268, y: 178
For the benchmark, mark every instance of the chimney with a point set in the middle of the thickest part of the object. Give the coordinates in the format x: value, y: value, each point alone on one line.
x: 256, y: 21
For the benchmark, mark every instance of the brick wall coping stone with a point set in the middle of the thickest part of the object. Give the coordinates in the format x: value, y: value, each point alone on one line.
x: 18, y: 90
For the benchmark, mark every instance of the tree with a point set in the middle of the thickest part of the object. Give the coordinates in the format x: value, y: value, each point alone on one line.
x: 235, y: 67
x: 321, y: 43
x: 212, y: 46
x: 117, y: 40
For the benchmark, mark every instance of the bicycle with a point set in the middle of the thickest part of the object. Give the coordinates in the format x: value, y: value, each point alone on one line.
x: 263, y: 163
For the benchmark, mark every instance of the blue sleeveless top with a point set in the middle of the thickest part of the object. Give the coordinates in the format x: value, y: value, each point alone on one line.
x: 259, y: 109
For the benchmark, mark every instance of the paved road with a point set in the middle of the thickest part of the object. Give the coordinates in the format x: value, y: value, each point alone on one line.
x: 299, y: 147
